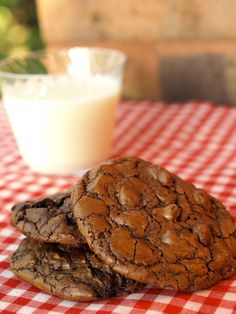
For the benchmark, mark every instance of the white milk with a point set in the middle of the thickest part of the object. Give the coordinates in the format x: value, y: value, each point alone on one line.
x: 65, y: 126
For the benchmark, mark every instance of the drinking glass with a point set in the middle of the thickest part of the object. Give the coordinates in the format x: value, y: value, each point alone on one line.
x: 61, y: 106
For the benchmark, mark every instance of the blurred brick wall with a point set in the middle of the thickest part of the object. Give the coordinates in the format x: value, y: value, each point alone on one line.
x: 178, y: 49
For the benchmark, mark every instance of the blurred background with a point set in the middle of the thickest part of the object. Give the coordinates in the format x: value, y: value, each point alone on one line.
x: 19, y: 32
x: 178, y: 50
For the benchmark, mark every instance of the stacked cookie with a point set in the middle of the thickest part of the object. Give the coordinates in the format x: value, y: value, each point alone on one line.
x: 55, y: 258
x: 125, y: 224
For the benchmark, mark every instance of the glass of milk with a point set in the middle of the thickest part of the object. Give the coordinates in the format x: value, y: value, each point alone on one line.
x: 61, y: 106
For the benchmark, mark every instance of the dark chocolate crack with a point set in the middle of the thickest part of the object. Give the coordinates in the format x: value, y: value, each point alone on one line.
x: 48, y: 219
x: 150, y: 225
x: 70, y: 273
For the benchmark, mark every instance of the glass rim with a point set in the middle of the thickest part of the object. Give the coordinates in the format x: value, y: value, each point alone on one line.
x: 40, y: 53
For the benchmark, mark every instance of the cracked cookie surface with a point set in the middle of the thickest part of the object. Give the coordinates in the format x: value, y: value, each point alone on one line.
x: 48, y: 219
x: 70, y: 273
x: 154, y: 227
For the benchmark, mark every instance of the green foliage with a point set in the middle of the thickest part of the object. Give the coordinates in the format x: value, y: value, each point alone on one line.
x: 9, y: 3
x: 19, y: 30
x: 25, y: 66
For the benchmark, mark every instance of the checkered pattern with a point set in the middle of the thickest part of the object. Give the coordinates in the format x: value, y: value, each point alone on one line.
x: 195, y: 140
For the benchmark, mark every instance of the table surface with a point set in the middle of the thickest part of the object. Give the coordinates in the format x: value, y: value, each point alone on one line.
x: 194, y: 140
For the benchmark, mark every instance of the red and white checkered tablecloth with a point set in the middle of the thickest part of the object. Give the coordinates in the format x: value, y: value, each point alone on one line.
x: 195, y: 140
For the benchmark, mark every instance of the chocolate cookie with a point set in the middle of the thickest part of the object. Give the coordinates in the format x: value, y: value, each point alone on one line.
x: 154, y: 227
x: 72, y: 274
x: 47, y: 219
